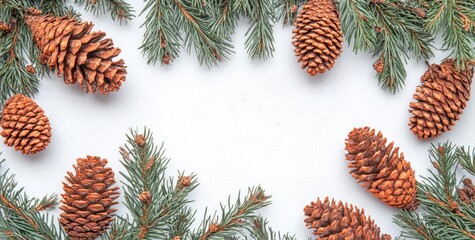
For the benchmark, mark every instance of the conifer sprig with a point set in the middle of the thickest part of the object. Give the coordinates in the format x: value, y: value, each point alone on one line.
x: 119, y: 9
x: 448, y: 211
x: 159, y: 205
x: 456, y: 21
x: 19, y: 216
x: 392, y: 30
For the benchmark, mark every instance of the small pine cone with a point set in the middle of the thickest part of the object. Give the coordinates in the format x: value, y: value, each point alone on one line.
x: 317, y: 36
x: 77, y: 53
x: 87, y: 199
x: 5, y: 27
x: 25, y: 125
x: 440, y: 99
x: 335, y: 220
x: 463, y: 196
x: 379, y: 65
x: 380, y: 168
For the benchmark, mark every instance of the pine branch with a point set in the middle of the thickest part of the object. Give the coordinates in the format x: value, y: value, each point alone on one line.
x: 19, y: 219
x: 234, y: 217
x: 260, y: 37
x: 259, y: 230
x: 119, y: 9
x: 391, y: 30
x: 14, y: 47
x: 45, y: 203
x: 194, y: 21
x: 447, y: 214
x: 456, y: 21
x: 466, y: 158
x: 159, y: 205
x: 162, y: 36
x: 286, y: 10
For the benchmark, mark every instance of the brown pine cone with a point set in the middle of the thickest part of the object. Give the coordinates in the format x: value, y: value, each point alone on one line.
x: 317, y: 36
x: 87, y: 199
x: 25, y: 125
x: 380, y: 169
x: 77, y: 53
x: 334, y: 220
x: 440, y: 99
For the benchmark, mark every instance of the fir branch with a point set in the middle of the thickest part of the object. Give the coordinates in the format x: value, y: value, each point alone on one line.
x: 286, y: 10
x: 456, y: 21
x: 391, y: 30
x: 445, y: 215
x: 45, y: 203
x: 260, y: 37
x: 13, y: 49
x: 466, y: 158
x: 159, y: 205
x: 259, y: 230
x: 162, y: 36
x: 119, y: 9
x: 234, y: 217
x: 19, y: 219
x: 194, y: 21
x: 358, y: 23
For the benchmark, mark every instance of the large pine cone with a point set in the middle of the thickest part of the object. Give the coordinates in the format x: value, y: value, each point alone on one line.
x: 440, y: 99
x: 380, y: 168
x: 80, y: 55
x: 317, y: 36
x: 88, y: 199
x: 331, y: 221
x: 25, y: 125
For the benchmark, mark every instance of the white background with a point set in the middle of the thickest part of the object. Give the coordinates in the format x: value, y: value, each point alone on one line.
x: 241, y: 124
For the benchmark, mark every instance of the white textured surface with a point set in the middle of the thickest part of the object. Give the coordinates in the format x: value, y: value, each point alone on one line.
x: 241, y: 124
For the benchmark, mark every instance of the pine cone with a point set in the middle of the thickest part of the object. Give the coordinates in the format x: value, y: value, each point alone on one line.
x: 25, y: 125
x: 331, y: 220
x: 440, y: 99
x: 317, y: 36
x: 380, y: 168
x: 77, y: 53
x: 88, y: 199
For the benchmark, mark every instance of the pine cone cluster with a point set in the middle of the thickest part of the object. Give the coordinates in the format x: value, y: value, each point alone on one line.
x: 78, y: 54
x: 88, y: 199
x: 25, y: 125
x: 380, y: 168
x: 317, y: 36
x: 467, y: 193
x: 334, y: 220
x: 440, y: 99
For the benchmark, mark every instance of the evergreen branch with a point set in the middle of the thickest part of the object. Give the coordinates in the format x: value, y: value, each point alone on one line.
x: 19, y: 219
x: 456, y: 21
x: 391, y: 30
x: 209, y: 47
x: 358, y: 23
x: 225, y: 17
x: 445, y: 215
x: 259, y: 230
x: 13, y: 49
x: 46, y: 203
x: 260, y: 38
x: 466, y: 158
x: 57, y: 8
x: 234, y: 217
x: 286, y: 10
x: 118, y: 9
x: 162, y: 36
